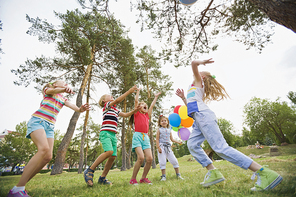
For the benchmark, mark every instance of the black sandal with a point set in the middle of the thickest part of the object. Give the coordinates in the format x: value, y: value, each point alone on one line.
x: 88, y: 176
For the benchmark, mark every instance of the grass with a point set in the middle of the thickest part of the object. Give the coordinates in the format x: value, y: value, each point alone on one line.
x: 238, y: 181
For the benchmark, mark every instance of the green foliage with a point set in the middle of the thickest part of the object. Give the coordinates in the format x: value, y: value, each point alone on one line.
x: 276, y: 119
x: 292, y: 97
x: 16, y: 148
x: 187, y: 31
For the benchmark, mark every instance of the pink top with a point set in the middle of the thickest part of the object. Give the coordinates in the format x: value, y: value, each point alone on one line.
x: 141, y: 122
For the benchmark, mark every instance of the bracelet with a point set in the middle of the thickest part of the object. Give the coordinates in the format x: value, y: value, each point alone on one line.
x: 183, y: 98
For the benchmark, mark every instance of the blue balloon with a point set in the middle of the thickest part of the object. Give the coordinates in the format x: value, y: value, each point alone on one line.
x: 175, y: 120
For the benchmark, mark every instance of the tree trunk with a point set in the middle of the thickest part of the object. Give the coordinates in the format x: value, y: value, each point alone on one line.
x: 280, y: 11
x: 123, y: 150
x: 128, y: 163
x: 81, y: 156
x: 61, y: 153
x: 152, y: 144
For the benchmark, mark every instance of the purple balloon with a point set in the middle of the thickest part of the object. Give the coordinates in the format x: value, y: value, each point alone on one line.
x: 184, y: 133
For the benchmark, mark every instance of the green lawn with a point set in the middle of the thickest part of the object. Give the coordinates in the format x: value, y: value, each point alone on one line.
x: 238, y: 181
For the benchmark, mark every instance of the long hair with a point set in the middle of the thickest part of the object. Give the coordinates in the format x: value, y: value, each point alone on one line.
x: 48, y: 85
x: 132, y: 118
x: 213, y: 89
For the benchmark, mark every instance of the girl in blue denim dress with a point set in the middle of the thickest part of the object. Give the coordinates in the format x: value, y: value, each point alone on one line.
x: 206, y: 88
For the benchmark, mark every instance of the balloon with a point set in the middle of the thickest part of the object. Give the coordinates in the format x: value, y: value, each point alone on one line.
x: 177, y: 128
x: 183, y: 112
x: 184, y: 134
x: 177, y: 109
x: 188, y: 122
x: 174, y: 119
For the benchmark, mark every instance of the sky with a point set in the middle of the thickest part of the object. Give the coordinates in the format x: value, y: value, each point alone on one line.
x: 244, y: 73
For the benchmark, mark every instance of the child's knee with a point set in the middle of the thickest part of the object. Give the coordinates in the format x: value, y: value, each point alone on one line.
x: 140, y: 159
x: 109, y: 153
x: 149, y: 159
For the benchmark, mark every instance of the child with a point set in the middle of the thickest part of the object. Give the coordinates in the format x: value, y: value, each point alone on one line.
x: 205, y: 88
x: 141, y: 141
x: 163, y: 137
x: 108, y: 136
x: 41, y: 131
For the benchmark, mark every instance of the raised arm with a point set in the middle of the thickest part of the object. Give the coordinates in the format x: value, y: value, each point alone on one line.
x: 120, y: 98
x: 194, y: 65
x: 83, y: 108
x: 127, y: 114
x: 52, y: 91
x: 137, y: 97
x: 180, y: 93
x: 153, y: 103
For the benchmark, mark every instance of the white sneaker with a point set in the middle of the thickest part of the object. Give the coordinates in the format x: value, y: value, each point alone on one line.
x: 179, y: 177
x: 163, y: 178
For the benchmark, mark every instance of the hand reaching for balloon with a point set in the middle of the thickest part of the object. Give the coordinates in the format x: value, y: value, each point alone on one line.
x: 180, y: 93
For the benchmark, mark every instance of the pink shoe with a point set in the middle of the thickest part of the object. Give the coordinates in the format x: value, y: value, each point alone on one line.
x: 145, y: 180
x: 133, y: 182
x: 18, y: 194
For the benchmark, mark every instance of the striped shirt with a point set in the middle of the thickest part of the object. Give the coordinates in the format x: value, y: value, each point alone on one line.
x: 50, y: 107
x: 110, y: 118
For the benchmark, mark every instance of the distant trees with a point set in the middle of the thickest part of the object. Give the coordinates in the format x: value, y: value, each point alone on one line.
x: 272, y: 118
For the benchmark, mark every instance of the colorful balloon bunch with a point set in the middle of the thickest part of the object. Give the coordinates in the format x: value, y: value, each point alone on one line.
x: 180, y: 121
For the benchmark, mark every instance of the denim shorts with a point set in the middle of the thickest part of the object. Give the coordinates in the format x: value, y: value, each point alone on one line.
x: 140, y: 140
x: 39, y: 123
x: 109, y: 141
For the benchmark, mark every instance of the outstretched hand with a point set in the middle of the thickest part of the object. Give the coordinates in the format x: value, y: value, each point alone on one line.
x: 180, y: 93
x: 134, y: 88
x: 84, y: 107
x: 69, y: 90
x: 204, y: 62
x: 157, y: 94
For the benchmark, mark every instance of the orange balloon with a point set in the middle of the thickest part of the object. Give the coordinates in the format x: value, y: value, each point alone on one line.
x: 188, y: 122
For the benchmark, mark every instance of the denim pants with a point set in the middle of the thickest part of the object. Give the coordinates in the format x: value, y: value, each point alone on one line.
x: 205, y: 127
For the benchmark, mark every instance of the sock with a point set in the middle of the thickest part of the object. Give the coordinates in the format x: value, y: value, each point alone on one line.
x: 178, y: 174
x: 16, y: 189
x: 163, y: 175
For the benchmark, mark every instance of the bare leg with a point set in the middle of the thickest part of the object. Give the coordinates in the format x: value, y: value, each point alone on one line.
x: 140, y: 160
x: 148, y: 155
x: 163, y: 171
x: 102, y: 157
x: 42, y: 157
x: 210, y: 167
x: 108, y: 166
x: 255, y: 166
x: 177, y: 170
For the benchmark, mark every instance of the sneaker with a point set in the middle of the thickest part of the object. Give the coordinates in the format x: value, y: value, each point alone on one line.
x: 212, y: 177
x: 18, y: 194
x: 104, y: 181
x: 133, y: 182
x: 266, y: 179
x: 163, y: 178
x: 145, y: 180
x: 179, y: 177
x: 88, y: 176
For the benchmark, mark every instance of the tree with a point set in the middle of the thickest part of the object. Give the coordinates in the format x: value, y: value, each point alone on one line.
x: 292, y: 97
x: 16, y: 148
x: 153, y: 81
x: 86, y: 43
x: 272, y: 118
x: 190, y: 30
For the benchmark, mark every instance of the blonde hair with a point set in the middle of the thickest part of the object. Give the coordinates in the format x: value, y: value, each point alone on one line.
x: 213, y: 89
x: 101, y: 101
x: 48, y: 85
x: 161, y: 117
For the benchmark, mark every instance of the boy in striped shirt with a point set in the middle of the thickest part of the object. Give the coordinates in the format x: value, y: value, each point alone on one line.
x: 108, y: 135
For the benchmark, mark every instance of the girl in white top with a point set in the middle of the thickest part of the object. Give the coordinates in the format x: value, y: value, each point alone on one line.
x: 163, y: 137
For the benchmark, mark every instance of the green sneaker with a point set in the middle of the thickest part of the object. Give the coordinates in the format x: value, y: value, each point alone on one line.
x: 266, y: 179
x: 212, y: 177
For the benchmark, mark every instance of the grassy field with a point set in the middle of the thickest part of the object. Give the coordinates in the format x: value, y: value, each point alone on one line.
x: 238, y: 181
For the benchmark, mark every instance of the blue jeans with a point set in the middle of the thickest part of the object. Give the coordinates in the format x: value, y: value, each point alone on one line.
x: 205, y: 127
